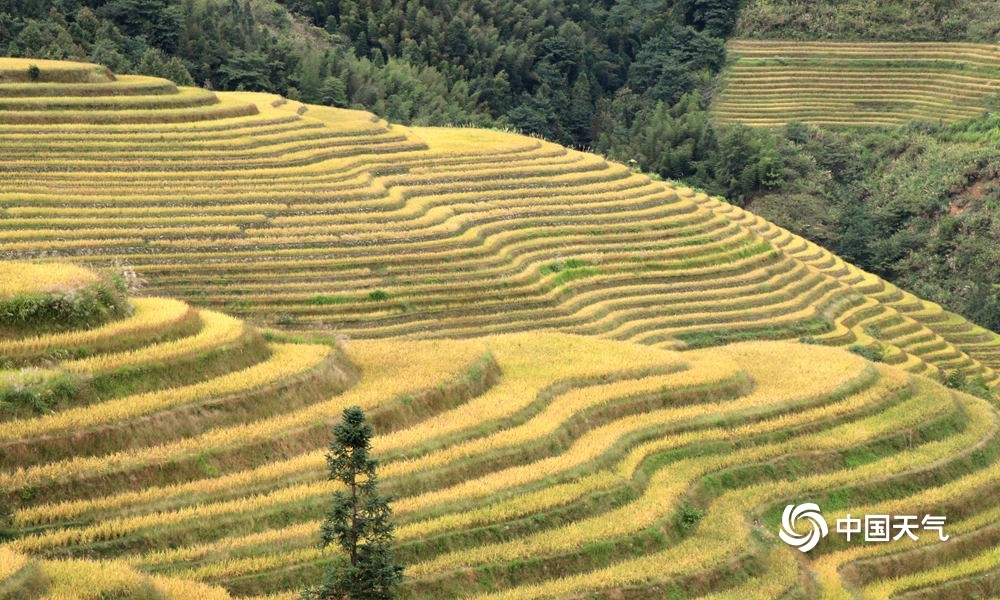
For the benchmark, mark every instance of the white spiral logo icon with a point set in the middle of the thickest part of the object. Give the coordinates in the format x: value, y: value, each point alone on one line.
x: 809, y: 511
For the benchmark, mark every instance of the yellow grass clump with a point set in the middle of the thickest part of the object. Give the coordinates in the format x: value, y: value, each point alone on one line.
x: 20, y: 277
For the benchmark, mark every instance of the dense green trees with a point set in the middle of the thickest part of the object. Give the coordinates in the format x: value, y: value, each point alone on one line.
x: 545, y: 66
x: 918, y: 205
x: 902, y: 20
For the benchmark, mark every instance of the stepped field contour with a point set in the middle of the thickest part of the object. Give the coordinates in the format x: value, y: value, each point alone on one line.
x: 584, y: 381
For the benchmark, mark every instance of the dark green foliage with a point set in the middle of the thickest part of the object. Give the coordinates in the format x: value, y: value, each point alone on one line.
x: 87, y: 307
x: 34, y: 73
x: 175, y: 71
x: 158, y: 21
x: 333, y: 92
x: 914, y: 20
x: 918, y: 205
x: 976, y: 386
x: 31, y: 392
x: 245, y: 71
x: 378, y: 296
x: 873, y: 353
x: 983, y: 304
x: 667, y: 64
x: 688, y: 516
x: 359, y: 521
x: 746, y: 161
x: 715, y: 17
x: 547, y: 68
x: 151, y: 63
x: 105, y: 52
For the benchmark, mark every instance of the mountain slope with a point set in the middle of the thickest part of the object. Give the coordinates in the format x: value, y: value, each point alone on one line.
x: 319, y: 218
x: 539, y: 337
x: 530, y: 465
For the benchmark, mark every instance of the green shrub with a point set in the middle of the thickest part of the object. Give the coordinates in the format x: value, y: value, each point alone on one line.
x: 42, y: 312
x: 34, y: 73
x: 34, y: 391
x: 955, y: 380
x: 324, y: 300
x: 976, y: 386
x: 688, y: 516
x: 556, y: 267
x: 873, y: 353
x: 378, y: 296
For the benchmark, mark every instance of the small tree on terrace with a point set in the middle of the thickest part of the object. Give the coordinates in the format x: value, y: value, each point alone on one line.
x: 359, y: 520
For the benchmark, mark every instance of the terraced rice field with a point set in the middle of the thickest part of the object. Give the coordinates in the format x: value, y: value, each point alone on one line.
x: 328, y: 220
x: 523, y: 465
x: 539, y: 337
x: 771, y: 83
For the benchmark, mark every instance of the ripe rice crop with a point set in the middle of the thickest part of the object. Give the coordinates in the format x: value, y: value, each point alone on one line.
x: 151, y: 314
x: 328, y: 203
x: 693, y: 554
x: 217, y: 330
x: 771, y: 83
x: 538, y: 335
x: 21, y: 277
x: 250, y: 554
x: 10, y: 562
x: 287, y: 360
x: 85, y: 580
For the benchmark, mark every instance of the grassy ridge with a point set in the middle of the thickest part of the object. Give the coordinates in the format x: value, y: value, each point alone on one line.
x: 47, y: 297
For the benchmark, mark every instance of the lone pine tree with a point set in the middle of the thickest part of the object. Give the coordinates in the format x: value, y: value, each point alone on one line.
x: 359, y: 520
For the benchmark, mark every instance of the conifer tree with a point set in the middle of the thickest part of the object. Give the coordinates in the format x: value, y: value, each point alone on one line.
x: 359, y: 520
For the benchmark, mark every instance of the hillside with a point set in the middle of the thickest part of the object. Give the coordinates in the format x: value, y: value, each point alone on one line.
x: 890, y: 20
x: 885, y: 152
x: 317, y: 218
x: 562, y: 360
x: 523, y: 465
x: 775, y: 82
x: 633, y: 80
